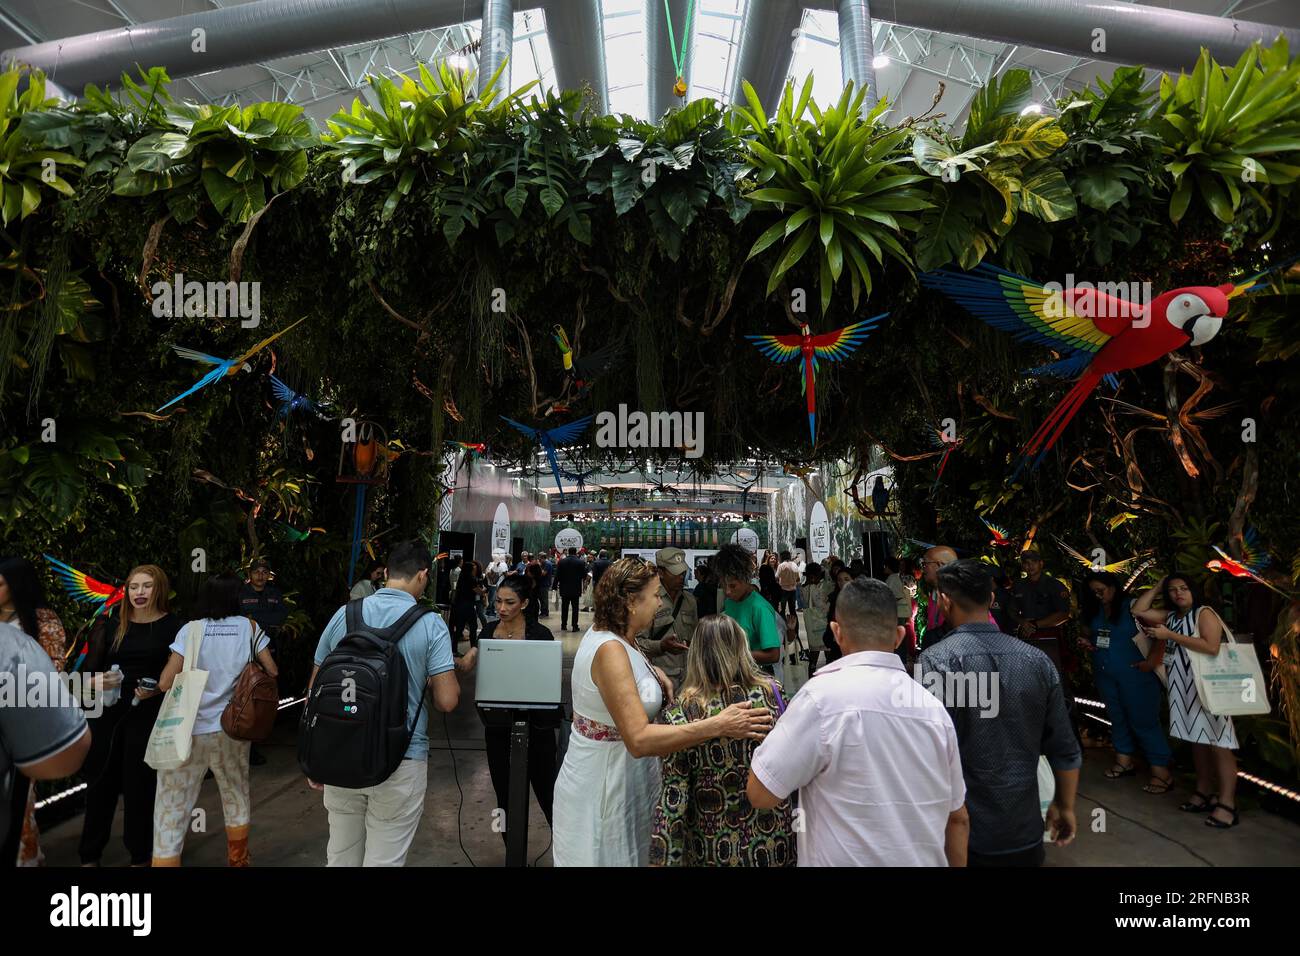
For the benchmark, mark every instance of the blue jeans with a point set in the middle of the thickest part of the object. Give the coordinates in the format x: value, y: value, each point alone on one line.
x: 1133, y: 704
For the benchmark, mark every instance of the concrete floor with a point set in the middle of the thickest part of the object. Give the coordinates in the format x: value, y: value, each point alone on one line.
x: 1120, y: 825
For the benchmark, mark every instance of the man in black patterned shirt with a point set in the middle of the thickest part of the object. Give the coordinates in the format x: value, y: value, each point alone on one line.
x: 1006, y: 702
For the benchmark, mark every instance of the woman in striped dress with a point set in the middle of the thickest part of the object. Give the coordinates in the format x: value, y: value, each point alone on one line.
x: 1190, y: 627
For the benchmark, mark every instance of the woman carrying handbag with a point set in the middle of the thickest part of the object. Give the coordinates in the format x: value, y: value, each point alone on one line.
x: 223, y: 639
x: 1190, y: 627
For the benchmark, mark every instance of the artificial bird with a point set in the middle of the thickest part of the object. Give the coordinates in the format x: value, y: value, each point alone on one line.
x: 223, y: 368
x: 549, y: 438
x: 942, y: 438
x: 831, y: 346
x: 583, y: 370
x: 879, y: 496
x: 82, y: 587
x: 291, y: 401
x: 473, y: 450
x: 1252, y: 564
x: 1102, y: 334
x: 1141, y: 560
x: 999, y: 539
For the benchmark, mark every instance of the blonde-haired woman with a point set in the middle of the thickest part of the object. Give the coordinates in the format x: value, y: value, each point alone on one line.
x: 704, y: 817
x: 135, y: 640
x: 609, y: 784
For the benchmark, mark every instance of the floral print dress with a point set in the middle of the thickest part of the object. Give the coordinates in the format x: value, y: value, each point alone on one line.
x: 703, y: 817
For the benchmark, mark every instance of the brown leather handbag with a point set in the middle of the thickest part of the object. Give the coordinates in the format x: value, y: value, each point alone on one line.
x: 250, y: 714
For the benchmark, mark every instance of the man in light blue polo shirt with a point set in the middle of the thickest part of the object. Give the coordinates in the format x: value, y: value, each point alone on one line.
x: 374, y: 826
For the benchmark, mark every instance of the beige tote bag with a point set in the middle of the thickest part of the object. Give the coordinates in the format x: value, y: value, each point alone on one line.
x: 173, y: 731
x: 1230, y: 683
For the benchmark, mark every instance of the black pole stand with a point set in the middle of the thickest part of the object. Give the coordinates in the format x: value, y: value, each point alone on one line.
x: 517, y: 811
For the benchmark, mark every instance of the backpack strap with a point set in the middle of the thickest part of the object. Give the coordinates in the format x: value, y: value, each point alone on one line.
x: 352, y: 620
x: 397, y: 630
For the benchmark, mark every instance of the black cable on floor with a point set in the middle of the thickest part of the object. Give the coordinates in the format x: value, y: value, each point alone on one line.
x: 548, y: 845
x: 456, y: 776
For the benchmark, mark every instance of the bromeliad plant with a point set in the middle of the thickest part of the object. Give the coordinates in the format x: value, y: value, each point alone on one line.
x: 239, y: 154
x: 26, y: 169
x: 1226, y: 130
x: 835, y: 181
x: 420, y: 127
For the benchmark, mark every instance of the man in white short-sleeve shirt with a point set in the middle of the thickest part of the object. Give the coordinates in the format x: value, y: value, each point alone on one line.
x: 873, y: 754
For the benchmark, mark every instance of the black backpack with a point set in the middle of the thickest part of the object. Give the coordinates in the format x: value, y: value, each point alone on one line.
x: 354, y: 732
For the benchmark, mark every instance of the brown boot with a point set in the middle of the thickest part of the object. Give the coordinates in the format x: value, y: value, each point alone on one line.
x: 237, y: 846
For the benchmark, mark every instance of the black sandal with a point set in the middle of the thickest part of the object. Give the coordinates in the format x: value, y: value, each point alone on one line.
x: 1205, y: 807
x: 1219, y: 824
x: 1123, y: 771
x: 1158, y: 785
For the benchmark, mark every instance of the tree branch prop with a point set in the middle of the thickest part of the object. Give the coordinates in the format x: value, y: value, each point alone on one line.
x: 149, y: 253
x: 725, y: 305
x: 989, y: 407
x: 374, y: 290
x: 1245, y: 498
x: 237, y: 251
x: 1175, y: 423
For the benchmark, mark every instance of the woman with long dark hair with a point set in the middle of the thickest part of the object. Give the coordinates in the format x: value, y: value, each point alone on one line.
x: 136, y: 641
x: 534, y: 575
x: 1188, y: 627
x: 842, y: 576
x: 226, y: 641
x: 22, y: 604
x: 768, y: 586
x: 512, y: 624
x: 1125, y: 679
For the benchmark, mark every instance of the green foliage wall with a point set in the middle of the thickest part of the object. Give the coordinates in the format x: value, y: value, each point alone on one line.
x: 432, y: 243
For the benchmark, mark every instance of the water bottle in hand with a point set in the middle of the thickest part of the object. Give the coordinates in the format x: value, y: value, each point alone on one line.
x: 113, y: 691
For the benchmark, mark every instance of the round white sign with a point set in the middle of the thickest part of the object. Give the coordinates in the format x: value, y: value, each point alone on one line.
x: 568, y: 538
x: 819, y: 533
x: 501, y: 530
x: 747, y: 538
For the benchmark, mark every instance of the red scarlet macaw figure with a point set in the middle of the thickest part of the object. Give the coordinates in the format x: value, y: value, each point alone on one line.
x: 1251, y: 566
x: 82, y: 587
x: 831, y: 346
x: 1000, y: 539
x: 1103, y: 334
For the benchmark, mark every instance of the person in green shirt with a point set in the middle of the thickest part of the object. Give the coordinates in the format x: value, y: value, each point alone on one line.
x: 735, y: 567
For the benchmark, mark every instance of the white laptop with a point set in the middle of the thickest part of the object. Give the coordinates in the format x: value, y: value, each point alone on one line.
x: 519, y: 673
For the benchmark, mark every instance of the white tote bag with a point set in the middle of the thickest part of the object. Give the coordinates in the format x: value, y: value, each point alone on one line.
x: 1230, y: 683
x: 173, y: 731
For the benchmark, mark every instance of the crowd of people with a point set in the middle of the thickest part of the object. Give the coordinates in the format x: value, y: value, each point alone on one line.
x: 935, y: 693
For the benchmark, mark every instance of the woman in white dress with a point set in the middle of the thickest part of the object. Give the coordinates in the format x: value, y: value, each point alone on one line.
x: 609, y: 784
x: 1189, y: 627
